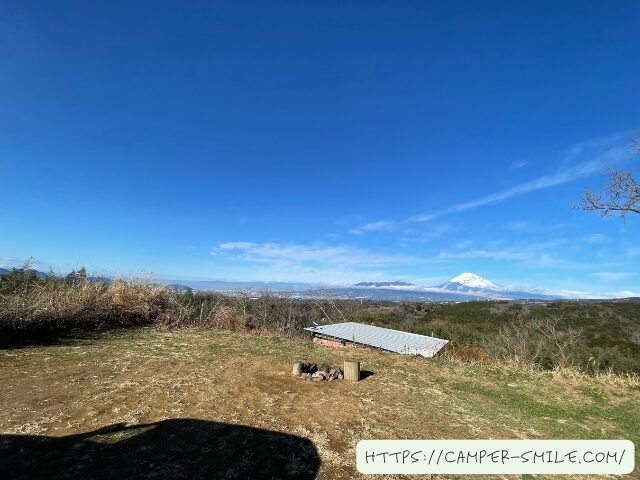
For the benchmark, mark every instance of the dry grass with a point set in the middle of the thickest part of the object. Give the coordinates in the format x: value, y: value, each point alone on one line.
x: 33, y: 307
x: 53, y: 305
x: 50, y: 306
x: 141, y: 376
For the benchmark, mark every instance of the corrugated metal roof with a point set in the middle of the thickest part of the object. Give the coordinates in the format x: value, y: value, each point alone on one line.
x: 384, y: 338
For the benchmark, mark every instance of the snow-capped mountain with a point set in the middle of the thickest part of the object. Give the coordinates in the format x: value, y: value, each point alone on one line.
x: 470, y: 282
x: 466, y: 286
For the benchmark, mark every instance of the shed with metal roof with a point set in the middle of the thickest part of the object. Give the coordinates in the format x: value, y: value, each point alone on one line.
x: 384, y: 338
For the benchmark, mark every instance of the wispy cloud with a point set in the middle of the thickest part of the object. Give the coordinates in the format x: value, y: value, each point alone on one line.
x: 624, y: 294
x: 311, y: 263
x: 632, y: 252
x: 596, y: 239
x: 582, y: 169
x: 572, y: 294
x: 8, y: 261
x: 612, y: 276
x: 343, y: 255
x: 531, y: 227
x: 518, y: 165
x: 422, y: 235
x: 522, y: 226
x: 530, y: 253
x: 552, y: 254
x: 381, y: 225
x: 581, y: 161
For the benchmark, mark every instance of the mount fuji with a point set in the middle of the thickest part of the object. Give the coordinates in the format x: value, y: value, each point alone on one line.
x: 473, y: 284
x: 466, y: 286
x: 470, y: 282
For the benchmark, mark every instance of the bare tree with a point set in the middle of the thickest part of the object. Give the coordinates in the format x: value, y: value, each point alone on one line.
x: 622, y: 195
x: 215, y: 311
x: 327, y: 302
x: 241, y: 298
x: 265, y: 308
x: 537, y: 341
x: 518, y: 340
x: 557, y: 342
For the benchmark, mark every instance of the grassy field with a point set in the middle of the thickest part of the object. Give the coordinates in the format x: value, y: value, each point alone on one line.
x: 609, y: 332
x: 593, y: 337
x: 192, y: 403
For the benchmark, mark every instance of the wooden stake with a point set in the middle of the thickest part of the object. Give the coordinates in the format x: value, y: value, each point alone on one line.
x: 297, y: 369
x: 351, y: 370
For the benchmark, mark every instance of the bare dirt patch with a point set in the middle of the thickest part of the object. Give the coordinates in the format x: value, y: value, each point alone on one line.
x: 144, y: 376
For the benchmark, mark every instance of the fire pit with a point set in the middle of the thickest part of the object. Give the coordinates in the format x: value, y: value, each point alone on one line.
x: 326, y: 373
x: 318, y: 373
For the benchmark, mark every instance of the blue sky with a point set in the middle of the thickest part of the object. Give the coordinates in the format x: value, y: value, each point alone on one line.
x: 329, y: 142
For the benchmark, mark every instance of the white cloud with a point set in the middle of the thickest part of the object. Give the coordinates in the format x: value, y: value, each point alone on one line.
x: 531, y: 227
x: 415, y: 235
x: 596, y: 239
x: 381, y: 225
x: 558, y: 253
x: 321, y: 254
x: 345, y: 265
x: 522, y: 226
x: 518, y: 165
x: 304, y: 273
x: 633, y: 252
x: 625, y: 294
x: 579, y: 170
x: 596, y: 155
x: 612, y: 276
x: 539, y: 254
x: 583, y: 294
x: 309, y: 263
x: 9, y: 261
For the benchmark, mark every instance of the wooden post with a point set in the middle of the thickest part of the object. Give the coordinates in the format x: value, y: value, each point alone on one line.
x: 297, y: 369
x: 351, y: 370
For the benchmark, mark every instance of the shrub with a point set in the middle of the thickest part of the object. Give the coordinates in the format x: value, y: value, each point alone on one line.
x: 53, y: 303
x: 593, y: 337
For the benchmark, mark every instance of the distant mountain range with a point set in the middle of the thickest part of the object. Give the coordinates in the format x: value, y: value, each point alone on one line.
x: 384, y: 284
x: 39, y: 274
x: 466, y: 286
x: 5, y: 271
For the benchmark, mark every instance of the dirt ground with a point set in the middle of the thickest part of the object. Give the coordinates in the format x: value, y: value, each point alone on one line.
x: 193, y: 403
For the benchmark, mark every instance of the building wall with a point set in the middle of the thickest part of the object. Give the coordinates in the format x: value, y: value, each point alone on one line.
x: 335, y: 343
x: 327, y: 343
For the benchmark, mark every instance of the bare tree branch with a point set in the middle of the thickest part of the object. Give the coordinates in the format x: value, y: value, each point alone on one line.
x: 622, y: 195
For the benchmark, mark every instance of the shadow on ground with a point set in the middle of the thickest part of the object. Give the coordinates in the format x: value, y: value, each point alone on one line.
x: 365, y: 374
x: 43, y: 337
x: 171, y: 449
